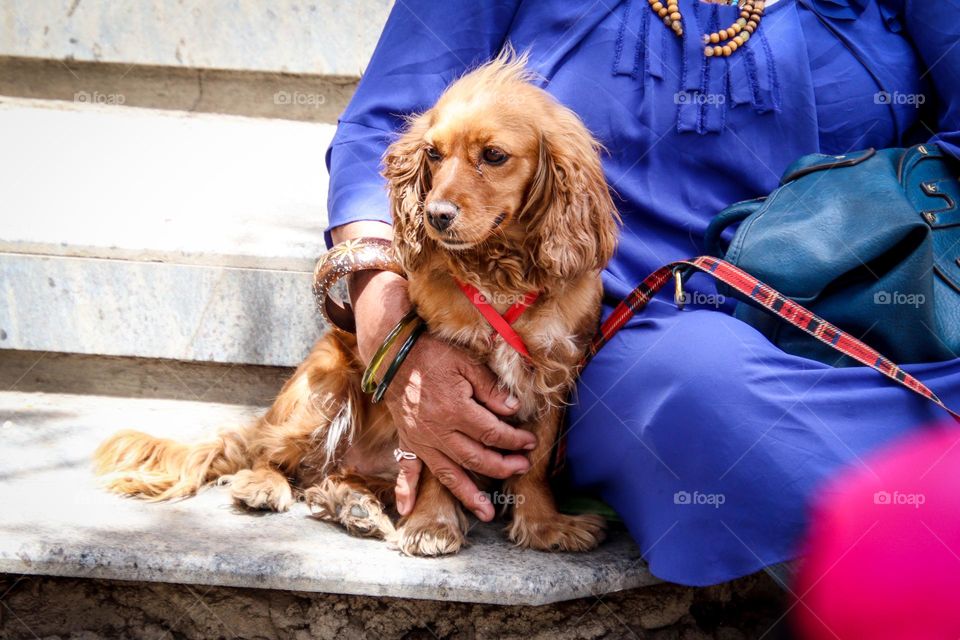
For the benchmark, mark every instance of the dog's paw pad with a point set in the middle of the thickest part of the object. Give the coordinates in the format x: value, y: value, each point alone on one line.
x: 361, y: 514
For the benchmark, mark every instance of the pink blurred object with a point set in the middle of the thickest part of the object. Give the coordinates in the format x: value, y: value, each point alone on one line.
x: 883, y: 553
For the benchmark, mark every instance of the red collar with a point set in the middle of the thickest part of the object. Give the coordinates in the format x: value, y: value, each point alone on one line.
x: 501, y: 324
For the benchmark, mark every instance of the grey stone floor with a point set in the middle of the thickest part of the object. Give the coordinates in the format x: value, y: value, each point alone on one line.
x: 58, y: 522
x: 124, y: 569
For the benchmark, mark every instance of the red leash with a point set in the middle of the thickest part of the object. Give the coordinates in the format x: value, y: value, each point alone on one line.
x: 501, y: 324
x: 773, y: 301
x: 764, y: 295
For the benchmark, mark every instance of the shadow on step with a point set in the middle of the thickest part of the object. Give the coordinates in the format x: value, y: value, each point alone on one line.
x: 37, y: 371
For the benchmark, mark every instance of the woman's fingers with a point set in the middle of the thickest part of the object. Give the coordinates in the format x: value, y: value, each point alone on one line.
x: 484, y: 427
x: 407, y: 481
x: 487, y: 389
x: 476, y: 457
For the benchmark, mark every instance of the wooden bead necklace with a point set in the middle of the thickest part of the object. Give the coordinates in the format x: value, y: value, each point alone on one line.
x: 719, y: 43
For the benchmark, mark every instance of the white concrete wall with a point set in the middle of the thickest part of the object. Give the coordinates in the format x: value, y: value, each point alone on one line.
x: 324, y: 37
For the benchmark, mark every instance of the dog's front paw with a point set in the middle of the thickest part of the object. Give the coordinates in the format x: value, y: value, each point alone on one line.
x: 425, y: 537
x: 261, y: 489
x: 558, y: 533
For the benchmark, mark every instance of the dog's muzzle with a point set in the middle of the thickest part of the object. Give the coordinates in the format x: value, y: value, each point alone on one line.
x: 441, y: 214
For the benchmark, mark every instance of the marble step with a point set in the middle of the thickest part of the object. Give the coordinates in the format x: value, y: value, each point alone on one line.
x: 58, y: 522
x: 159, y: 234
x: 320, y: 37
x: 282, y: 59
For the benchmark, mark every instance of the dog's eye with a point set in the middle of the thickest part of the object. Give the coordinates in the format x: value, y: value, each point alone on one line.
x: 433, y: 154
x: 492, y: 155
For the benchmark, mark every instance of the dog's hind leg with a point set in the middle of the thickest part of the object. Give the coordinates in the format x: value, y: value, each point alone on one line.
x: 356, y: 502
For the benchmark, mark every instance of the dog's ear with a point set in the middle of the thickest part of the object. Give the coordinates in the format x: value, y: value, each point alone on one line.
x: 571, y: 217
x: 408, y: 182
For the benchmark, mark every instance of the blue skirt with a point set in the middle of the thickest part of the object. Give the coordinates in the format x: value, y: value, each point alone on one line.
x: 710, y: 442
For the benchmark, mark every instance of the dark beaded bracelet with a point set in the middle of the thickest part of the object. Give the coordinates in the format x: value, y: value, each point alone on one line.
x: 398, y: 360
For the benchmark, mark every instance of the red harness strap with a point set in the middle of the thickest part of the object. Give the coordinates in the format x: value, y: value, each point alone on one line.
x: 501, y: 324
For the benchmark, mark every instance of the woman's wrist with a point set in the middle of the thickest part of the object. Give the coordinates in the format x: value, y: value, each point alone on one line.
x: 379, y: 300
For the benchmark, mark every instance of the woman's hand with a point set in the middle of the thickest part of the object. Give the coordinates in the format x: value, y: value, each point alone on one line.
x: 445, y: 406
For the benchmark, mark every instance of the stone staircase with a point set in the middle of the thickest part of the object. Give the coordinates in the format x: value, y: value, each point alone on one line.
x: 163, y: 206
x: 160, y: 234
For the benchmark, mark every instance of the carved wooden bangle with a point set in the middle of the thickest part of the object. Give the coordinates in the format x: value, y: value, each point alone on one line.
x: 343, y: 259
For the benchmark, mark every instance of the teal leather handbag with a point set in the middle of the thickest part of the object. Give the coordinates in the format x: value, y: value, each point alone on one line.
x: 870, y: 241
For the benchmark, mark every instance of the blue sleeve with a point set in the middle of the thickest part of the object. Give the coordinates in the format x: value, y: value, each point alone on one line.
x: 934, y: 29
x: 424, y: 46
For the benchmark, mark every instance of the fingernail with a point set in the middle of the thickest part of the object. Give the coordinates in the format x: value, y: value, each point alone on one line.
x: 512, y: 402
x: 520, y: 472
x: 530, y: 447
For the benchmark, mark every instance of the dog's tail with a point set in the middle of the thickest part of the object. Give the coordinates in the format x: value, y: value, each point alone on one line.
x: 137, y: 464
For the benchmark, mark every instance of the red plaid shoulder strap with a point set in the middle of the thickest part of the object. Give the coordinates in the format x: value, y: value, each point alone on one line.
x: 776, y: 303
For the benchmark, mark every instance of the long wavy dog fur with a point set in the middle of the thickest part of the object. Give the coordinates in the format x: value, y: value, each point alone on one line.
x: 535, y: 213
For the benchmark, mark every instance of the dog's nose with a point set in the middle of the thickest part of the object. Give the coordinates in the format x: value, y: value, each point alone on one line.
x: 441, y: 214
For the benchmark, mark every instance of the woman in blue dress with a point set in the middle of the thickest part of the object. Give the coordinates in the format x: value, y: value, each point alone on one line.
x: 706, y: 439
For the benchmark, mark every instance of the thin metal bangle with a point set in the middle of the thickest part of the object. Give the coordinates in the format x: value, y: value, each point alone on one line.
x: 366, y: 383
x: 398, y: 360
